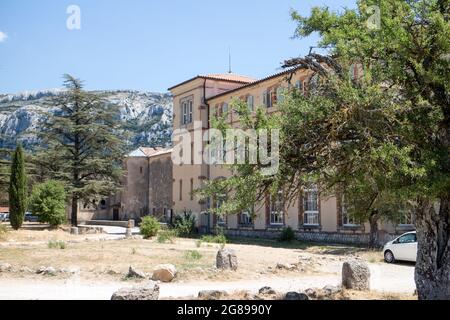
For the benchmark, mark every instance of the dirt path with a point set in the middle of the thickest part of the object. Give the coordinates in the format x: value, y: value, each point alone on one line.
x: 385, y: 278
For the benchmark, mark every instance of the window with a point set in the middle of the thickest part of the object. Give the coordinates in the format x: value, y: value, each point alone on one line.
x: 220, y: 199
x: 276, y: 209
x: 347, y: 219
x: 181, y: 190
x: 192, y: 189
x: 268, y: 98
x: 280, y: 95
x: 225, y: 108
x: 140, y: 169
x: 103, y: 204
x: 250, y: 103
x: 186, y: 111
x: 311, y: 207
x: 246, y: 218
x: 299, y: 85
x: 408, y: 238
x: 273, y: 97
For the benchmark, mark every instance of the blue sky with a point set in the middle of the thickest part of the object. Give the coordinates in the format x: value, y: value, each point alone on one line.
x: 145, y: 45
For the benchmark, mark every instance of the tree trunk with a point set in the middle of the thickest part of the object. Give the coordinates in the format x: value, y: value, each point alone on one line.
x: 432, y: 274
x: 373, y: 221
x: 74, y: 214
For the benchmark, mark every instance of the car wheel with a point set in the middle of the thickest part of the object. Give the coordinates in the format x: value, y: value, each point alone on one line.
x: 389, y: 256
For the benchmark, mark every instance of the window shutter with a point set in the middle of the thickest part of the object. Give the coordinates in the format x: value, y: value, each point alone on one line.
x: 265, y: 98
x: 225, y: 107
x: 250, y: 103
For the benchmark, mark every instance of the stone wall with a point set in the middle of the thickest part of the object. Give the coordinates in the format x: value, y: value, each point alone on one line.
x: 321, y: 237
x: 160, y: 184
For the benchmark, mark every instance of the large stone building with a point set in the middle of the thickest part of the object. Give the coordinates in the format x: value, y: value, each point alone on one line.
x: 314, y: 216
x: 146, y: 189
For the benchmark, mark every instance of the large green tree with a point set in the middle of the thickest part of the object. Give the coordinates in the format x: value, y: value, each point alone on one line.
x: 17, y: 189
x: 405, y: 45
x: 82, y: 145
x: 380, y: 136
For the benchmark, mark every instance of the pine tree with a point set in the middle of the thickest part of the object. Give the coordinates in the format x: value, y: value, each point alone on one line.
x: 82, y: 145
x: 17, y: 189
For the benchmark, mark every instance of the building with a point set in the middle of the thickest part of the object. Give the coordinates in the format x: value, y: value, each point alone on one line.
x: 314, y: 216
x: 146, y: 189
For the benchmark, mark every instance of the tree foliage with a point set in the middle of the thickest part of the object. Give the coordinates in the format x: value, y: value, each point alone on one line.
x: 82, y: 145
x: 17, y: 189
x: 382, y: 137
x: 48, y: 201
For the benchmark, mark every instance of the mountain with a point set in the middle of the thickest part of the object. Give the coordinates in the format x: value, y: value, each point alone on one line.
x: 146, y: 115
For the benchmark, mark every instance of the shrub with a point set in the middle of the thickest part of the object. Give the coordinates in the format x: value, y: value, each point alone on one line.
x: 185, y: 225
x: 220, y: 238
x: 56, y: 244
x: 149, y: 227
x: 193, y: 255
x: 287, y: 235
x: 48, y: 201
x: 166, y: 236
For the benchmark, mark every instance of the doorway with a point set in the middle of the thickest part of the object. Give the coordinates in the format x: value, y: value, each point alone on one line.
x: 116, y: 214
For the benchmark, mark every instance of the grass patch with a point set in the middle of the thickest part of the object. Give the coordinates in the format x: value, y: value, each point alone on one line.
x: 3, y: 231
x: 165, y: 236
x: 193, y: 255
x: 220, y: 239
x: 57, y: 244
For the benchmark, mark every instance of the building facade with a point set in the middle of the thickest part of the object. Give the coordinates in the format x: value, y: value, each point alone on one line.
x: 146, y: 189
x: 315, y: 216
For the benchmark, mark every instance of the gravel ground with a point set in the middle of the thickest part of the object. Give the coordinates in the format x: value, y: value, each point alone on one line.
x: 385, y: 278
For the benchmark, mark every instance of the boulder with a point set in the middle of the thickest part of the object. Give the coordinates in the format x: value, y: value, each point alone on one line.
x: 5, y: 267
x: 267, y: 291
x: 286, y: 266
x: 295, y: 296
x: 312, y: 293
x: 149, y: 291
x: 48, y: 271
x: 164, y: 273
x: 356, y: 275
x: 331, y: 290
x: 226, y: 259
x: 26, y: 270
x: 212, y: 294
x: 135, y: 273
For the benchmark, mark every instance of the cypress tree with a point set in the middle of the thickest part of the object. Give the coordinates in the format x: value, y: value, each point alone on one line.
x: 17, y: 189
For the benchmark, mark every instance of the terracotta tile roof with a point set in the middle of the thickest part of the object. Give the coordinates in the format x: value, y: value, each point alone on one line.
x: 285, y: 72
x: 4, y: 209
x: 230, y: 77
x: 149, y: 152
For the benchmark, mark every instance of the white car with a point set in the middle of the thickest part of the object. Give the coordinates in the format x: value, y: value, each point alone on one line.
x: 403, y: 248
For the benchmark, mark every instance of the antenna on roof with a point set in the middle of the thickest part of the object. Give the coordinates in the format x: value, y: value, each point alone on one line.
x: 229, y: 59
